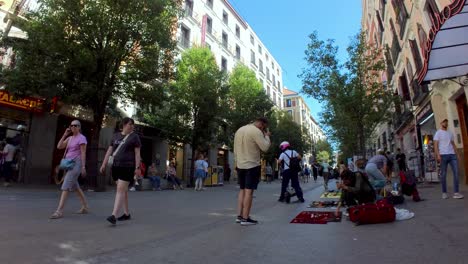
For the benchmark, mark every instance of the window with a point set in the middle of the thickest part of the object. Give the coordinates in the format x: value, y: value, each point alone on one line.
x: 260, y: 49
x: 209, y: 25
x: 268, y: 73
x: 422, y: 36
x: 260, y: 65
x: 274, y: 97
x: 237, y: 31
x: 209, y: 3
x: 188, y: 8
x: 273, y: 65
x: 431, y: 11
x: 225, y: 17
x: 416, y: 55
x: 185, y: 37
x: 252, y: 57
x: 274, y: 79
x: 252, y: 41
x: 267, y: 57
x: 223, y: 64
x: 238, y: 52
x: 208, y: 46
x: 290, y: 112
x: 404, y: 90
x: 288, y: 103
x: 279, y: 85
x: 225, y: 40
x: 268, y: 91
x: 402, y: 15
x: 293, y: 103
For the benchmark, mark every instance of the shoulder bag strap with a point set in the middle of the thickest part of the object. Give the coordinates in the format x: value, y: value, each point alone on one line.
x: 120, y: 145
x: 66, y: 148
x: 288, y: 158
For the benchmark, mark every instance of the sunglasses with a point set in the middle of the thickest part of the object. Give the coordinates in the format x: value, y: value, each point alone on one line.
x: 73, y: 125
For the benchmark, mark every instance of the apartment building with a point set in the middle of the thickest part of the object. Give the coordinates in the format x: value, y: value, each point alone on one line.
x: 297, y: 108
x: 425, y: 46
x: 218, y: 26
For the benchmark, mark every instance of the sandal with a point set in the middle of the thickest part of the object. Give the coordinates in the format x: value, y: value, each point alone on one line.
x: 83, y: 210
x: 56, y: 215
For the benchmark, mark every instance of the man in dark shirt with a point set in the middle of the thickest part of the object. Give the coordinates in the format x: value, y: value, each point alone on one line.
x: 401, y: 160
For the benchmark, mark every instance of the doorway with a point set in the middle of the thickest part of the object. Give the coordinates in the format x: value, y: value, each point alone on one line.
x: 462, y: 109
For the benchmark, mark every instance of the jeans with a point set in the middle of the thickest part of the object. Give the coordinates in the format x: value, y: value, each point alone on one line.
x: 155, y: 181
x: 376, y: 177
x: 452, y: 160
x: 290, y: 175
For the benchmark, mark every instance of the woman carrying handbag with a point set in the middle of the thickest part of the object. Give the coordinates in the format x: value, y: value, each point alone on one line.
x: 125, y: 163
x: 73, y: 162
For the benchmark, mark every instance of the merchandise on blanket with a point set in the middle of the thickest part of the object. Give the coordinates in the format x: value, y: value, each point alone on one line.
x: 373, y: 213
x: 323, y: 204
x: 331, y: 195
x: 316, y: 217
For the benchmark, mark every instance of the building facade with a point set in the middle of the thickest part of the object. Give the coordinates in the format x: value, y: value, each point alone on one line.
x: 295, y: 106
x: 218, y: 26
x: 405, y: 31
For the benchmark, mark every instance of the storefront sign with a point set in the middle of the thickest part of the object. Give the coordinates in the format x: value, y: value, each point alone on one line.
x: 25, y: 103
x: 448, y: 12
x: 425, y: 112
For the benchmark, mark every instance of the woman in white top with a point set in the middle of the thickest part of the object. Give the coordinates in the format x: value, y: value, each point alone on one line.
x: 8, y: 157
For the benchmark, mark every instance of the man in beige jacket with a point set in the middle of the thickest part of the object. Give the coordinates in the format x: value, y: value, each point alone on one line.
x: 249, y: 141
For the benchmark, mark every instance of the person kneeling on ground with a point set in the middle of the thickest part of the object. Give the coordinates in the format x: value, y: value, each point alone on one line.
x: 355, y: 189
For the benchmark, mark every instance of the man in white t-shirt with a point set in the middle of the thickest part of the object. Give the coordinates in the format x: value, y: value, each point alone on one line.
x: 444, y: 148
x: 8, y: 154
x: 288, y: 173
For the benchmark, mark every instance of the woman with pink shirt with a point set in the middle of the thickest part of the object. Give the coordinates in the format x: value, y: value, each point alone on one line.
x: 75, y: 148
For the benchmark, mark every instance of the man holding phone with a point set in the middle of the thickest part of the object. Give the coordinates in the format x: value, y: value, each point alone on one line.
x: 249, y: 141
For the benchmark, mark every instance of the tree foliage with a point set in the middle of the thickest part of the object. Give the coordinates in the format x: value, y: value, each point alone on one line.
x: 355, y: 100
x: 88, y: 52
x: 324, y: 145
x: 246, y: 100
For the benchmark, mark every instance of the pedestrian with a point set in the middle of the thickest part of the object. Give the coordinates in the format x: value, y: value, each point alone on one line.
x: 401, y: 160
x: 125, y: 165
x: 171, y: 175
x: 306, y: 172
x: 325, y: 168
x: 390, y: 163
x: 227, y: 172
x: 351, y: 165
x: 138, y: 180
x: 8, y: 159
x: 341, y: 167
x: 153, y: 176
x: 201, y: 169
x: 74, y: 144
x: 444, y: 148
x: 289, y: 172
x: 249, y: 141
x: 315, y: 170
x: 269, y: 173
x: 376, y: 169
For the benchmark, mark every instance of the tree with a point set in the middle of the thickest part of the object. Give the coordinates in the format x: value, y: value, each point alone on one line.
x: 323, y: 156
x: 191, y: 113
x: 324, y: 145
x: 355, y: 100
x: 89, y: 52
x: 246, y: 100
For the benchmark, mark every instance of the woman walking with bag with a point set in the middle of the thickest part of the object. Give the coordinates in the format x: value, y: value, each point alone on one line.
x: 125, y: 162
x: 74, y: 163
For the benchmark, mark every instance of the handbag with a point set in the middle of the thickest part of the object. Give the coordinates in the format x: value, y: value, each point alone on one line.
x: 110, y: 160
x: 66, y: 164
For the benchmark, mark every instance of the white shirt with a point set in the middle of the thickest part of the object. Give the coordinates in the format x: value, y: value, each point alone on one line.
x: 444, y: 139
x: 283, y: 157
x: 9, y: 152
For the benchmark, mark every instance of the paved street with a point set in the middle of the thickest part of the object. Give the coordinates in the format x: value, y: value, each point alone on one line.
x: 198, y: 227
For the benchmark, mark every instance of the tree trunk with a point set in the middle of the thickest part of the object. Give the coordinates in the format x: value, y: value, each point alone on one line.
x: 95, y: 179
x: 190, y: 181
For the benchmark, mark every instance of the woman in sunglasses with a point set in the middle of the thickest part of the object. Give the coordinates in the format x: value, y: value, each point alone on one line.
x: 74, y: 144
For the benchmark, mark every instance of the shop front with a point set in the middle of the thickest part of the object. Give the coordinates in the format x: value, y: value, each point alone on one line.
x: 426, y: 129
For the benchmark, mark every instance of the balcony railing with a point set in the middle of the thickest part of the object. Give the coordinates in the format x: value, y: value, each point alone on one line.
x: 400, y: 119
x: 395, y: 50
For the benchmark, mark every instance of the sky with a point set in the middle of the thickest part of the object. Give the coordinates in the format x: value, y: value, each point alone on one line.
x: 284, y: 26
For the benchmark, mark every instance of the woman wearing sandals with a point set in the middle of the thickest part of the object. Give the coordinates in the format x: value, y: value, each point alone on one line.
x: 75, y: 149
x: 125, y: 165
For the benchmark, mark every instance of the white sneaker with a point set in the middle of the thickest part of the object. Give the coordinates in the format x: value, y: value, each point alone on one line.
x: 458, y: 196
x: 132, y: 189
x: 445, y: 196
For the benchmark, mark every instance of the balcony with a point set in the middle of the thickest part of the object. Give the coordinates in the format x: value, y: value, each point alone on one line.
x: 395, y: 50
x: 419, y: 92
x: 399, y: 120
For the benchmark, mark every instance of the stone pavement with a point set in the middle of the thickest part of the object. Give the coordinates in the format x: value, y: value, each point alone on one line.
x: 198, y: 227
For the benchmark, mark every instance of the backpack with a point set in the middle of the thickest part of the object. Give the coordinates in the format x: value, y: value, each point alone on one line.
x: 294, y: 162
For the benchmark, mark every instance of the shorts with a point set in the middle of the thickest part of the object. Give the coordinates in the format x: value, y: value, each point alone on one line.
x: 249, y: 178
x: 123, y: 173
